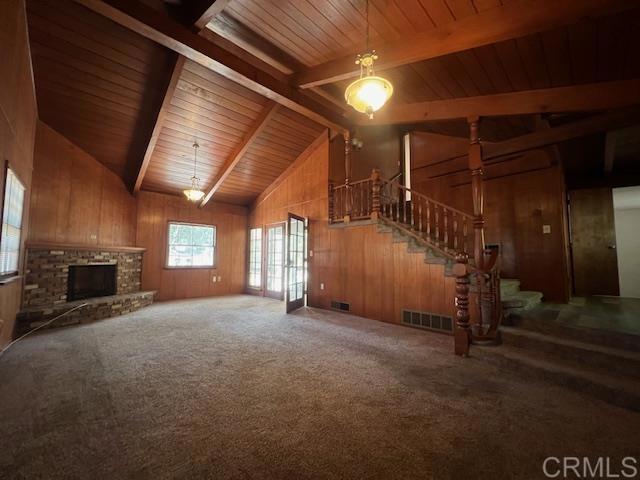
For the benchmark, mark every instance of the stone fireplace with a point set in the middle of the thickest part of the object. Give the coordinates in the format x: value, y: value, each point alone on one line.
x: 59, y: 277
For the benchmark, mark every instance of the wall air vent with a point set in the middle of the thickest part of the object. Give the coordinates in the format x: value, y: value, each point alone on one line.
x: 342, y: 306
x: 428, y: 321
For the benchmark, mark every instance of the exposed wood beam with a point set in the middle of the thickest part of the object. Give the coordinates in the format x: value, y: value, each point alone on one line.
x: 214, y: 8
x: 541, y: 123
x: 261, y: 122
x: 155, y: 134
x: 593, y: 96
x: 294, y: 166
x: 609, y: 152
x: 203, y: 16
x: 588, y: 126
x: 160, y: 28
x: 225, y: 29
x: 245, y: 38
x: 513, y: 20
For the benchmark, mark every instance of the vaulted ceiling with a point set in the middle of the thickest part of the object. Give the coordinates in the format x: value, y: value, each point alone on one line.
x: 126, y: 96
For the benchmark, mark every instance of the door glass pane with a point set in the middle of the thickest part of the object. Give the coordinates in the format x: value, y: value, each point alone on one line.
x: 275, y: 267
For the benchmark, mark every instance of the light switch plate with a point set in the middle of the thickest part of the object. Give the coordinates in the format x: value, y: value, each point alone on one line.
x: 322, y: 286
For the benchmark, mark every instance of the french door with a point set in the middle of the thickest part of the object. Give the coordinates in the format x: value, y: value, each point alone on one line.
x: 297, y: 234
x: 274, y: 261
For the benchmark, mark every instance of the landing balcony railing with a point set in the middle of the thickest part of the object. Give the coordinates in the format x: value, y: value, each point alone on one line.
x: 445, y: 229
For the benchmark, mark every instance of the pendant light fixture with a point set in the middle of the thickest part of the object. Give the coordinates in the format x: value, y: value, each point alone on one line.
x: 194, y: 193
x: 368, y: 93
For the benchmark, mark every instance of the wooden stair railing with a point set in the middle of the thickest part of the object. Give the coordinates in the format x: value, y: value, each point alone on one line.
x: 445, y: 229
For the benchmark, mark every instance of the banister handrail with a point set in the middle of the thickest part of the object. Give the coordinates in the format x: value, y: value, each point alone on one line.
x: 432, y: 200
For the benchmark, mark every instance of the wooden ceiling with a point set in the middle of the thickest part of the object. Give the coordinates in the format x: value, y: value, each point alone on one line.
x: 96, y: 82
x: 131, y: 104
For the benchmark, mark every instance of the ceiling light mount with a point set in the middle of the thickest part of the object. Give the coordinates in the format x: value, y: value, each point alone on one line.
x: 368, y: 93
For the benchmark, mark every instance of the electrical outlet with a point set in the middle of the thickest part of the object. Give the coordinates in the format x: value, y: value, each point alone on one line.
x: 322, y: 286
x: 213, y: 279
x: 93, y: 236
x: 219, y: 279
x: 310, y: 253
x: 546, y: 229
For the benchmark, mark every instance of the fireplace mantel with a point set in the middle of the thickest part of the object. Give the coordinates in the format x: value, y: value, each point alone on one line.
x: 84, y: 246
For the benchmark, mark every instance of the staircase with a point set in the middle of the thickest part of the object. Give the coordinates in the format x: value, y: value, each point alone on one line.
x: 514, y: 300
x: 605, y: 365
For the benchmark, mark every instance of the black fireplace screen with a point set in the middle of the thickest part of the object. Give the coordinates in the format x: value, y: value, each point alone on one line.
x: 88, y: 281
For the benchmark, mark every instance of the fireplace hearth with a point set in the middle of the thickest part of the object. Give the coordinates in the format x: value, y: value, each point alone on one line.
x: 92, y: 280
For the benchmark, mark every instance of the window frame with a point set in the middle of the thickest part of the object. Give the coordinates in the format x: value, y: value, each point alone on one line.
x: 191, y: 267
x: 14, y: 274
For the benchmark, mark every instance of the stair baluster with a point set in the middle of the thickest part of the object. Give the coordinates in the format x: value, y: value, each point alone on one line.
x: 437, y: 220
x: 420, y: 216
x: 455, y: 231
x: 413, y: 223
x: 446, y: 228
x: 428, y: 220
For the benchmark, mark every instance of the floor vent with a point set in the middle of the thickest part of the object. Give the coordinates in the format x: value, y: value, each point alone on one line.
x: 345, y: 307
x: 430, y: 321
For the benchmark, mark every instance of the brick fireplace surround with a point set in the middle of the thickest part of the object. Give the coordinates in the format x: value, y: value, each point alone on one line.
x: 47, y: 276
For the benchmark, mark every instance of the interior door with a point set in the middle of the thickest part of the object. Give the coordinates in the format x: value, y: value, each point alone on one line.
x: 296, y: 262
x: 593, y: 242
x: 274, y: 265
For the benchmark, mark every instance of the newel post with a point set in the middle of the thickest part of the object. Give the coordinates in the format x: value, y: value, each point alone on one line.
x: 347, y: 176
x: 462, y: 337
x: 376, y: 185
x: 477, y: 172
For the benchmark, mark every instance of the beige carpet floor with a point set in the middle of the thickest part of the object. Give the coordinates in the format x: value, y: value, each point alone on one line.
x: 234, y: 388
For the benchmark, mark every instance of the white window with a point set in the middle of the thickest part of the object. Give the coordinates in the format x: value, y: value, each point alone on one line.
x: 191, y: 245
x: 255, y: 257
x: 11, y: 224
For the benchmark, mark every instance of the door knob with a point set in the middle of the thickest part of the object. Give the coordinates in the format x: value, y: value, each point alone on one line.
x: 611, y: 247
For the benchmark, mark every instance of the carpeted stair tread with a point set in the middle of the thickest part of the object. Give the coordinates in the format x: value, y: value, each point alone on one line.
x: 623, y: 392
x: 522, y: 299
x: 509, y: 286
x: 580, y: 353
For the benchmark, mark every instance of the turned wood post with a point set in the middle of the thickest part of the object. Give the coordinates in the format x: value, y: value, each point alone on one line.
x: 462, y: 334
x: 331, y: 202
x: 347, y: 176
x: 376, y: 185
x: 477, y: 172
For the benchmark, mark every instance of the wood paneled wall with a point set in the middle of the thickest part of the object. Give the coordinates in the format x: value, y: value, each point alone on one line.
x: 381, y: 148
x: 18, y: 115
x: 357, y: 265
x: 78, y: 200
x: 521, y: 195
x: 75, y: 198
x: 155, y: 210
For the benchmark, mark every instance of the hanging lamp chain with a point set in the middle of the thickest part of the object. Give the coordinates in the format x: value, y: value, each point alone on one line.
x: 367, y: 30
x: 195, y: 158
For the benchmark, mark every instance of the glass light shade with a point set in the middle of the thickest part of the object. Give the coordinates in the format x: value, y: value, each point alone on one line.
x: 194, y: 193
x: 368, y: 94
